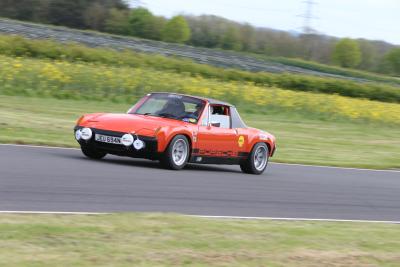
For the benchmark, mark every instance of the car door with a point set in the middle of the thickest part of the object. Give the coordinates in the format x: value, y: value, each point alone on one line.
x: 215, y: 137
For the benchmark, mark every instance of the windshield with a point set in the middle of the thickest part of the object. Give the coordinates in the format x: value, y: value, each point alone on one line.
x: 172, y: 106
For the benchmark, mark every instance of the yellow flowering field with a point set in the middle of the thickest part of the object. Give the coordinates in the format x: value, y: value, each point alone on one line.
x: 66, y: 80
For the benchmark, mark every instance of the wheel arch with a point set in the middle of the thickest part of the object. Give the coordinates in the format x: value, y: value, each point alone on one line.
x: 185, y: 134
x: 166, y: 135
x: 271, y: 148
x: 266, y: 142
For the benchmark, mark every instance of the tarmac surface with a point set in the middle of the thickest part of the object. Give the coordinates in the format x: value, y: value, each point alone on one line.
x: 52, y: 179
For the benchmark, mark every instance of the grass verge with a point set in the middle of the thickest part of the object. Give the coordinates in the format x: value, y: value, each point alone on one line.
x: 172, y: 240
x: 300, y: 139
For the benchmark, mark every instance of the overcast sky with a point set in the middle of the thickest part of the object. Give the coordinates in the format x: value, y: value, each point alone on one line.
x: 370, y: 19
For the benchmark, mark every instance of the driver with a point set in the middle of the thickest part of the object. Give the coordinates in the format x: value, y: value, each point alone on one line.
x: 174, y: 107
x: 197, y: 112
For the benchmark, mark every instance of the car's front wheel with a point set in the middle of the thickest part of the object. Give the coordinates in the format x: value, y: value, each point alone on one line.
x: 91, y: 153
x: 176, y: 155
x: 257, y: 161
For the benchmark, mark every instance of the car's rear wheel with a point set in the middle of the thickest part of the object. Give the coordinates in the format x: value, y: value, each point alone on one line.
x: 91, y: 153
x: 176, y: 156
x: 257, y: 161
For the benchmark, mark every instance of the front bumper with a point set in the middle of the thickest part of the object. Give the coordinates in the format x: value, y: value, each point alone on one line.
x: 150, y: 150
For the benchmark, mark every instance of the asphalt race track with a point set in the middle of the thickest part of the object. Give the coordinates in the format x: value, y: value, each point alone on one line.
x: 46, y: 179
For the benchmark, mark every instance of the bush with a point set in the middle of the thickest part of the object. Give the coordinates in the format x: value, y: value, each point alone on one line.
x: 335, y: 70
x: 347, y: 53
x: 18, y: 46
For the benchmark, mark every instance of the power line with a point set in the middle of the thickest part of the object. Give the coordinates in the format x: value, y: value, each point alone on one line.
x: 308, y: 17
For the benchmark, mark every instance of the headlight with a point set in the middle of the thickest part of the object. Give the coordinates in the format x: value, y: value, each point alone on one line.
x: 127, y: 140
x: 78, y: 135
x: 86, y: 134
x: 138, y: 144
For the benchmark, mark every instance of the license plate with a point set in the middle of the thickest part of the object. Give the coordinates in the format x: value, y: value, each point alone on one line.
x: 108, y: 139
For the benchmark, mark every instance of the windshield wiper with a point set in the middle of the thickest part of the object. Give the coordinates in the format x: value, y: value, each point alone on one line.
x: 167, y: 115
x: 149, y: 114
x: 162, y: 115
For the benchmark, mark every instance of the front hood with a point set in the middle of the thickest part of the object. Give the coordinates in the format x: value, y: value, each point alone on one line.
x: 129, y: 123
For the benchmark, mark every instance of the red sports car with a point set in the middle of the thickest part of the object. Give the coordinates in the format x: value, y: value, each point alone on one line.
x: 177, y: 129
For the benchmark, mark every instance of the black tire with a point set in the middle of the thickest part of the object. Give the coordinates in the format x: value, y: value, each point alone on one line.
x: 91, y: 153
x: 168, y: 161
x: 249, y: 165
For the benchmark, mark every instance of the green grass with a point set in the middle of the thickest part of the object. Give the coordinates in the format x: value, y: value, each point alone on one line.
x: 171, y: 240
x: 300, y: 139
x: 312, y: 141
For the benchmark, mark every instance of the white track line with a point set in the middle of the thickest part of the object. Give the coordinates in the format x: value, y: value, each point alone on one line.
x: 290, y: 219
x: 51, y: 212
x: 44, y: 147
x: 275, y: 163
x: 334, y: 167
x: 206, y: 217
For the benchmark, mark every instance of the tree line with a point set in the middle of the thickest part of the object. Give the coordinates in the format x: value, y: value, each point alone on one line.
x: 115, y: 16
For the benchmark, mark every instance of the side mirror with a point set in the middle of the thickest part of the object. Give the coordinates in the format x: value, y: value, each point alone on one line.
x: 215, y: 124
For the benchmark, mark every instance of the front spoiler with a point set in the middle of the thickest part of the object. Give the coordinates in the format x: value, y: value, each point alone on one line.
x: 150, y: 151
